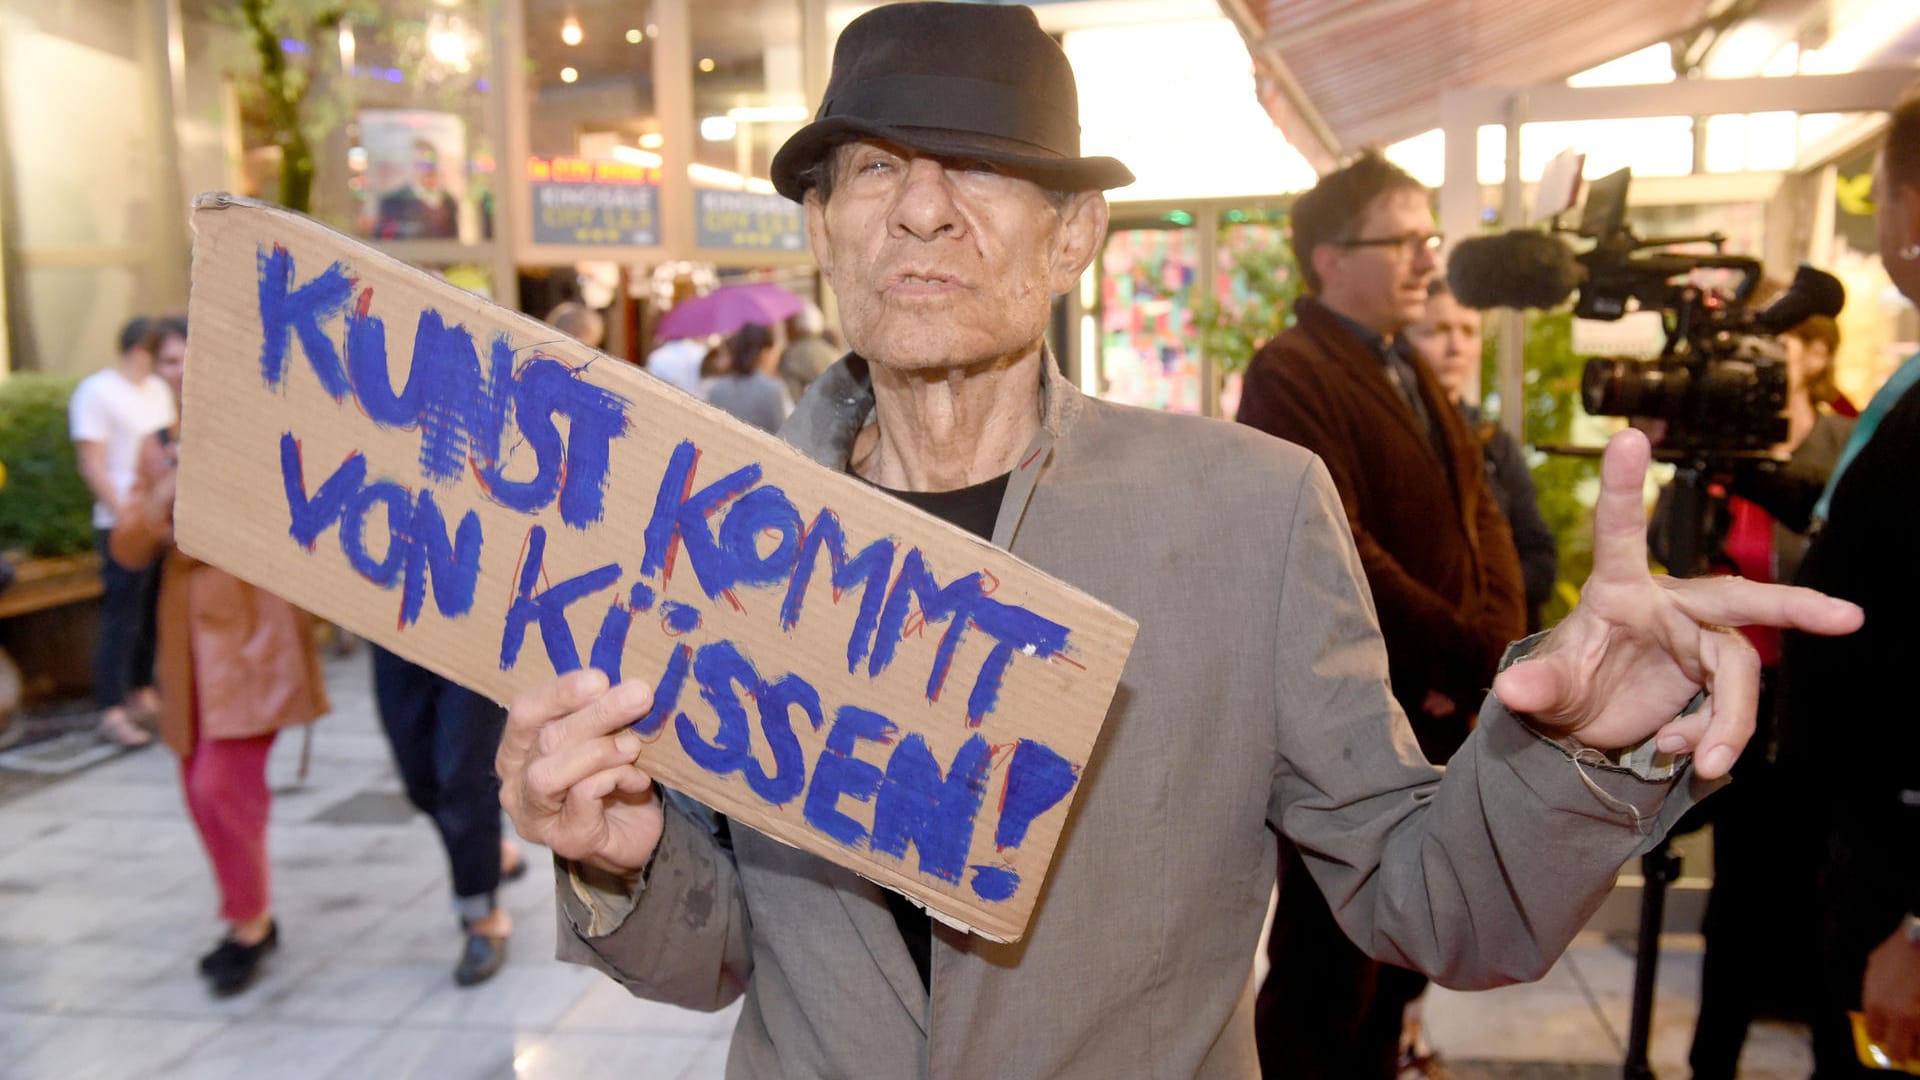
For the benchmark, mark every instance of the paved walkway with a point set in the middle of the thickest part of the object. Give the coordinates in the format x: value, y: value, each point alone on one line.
x: 106, y: 901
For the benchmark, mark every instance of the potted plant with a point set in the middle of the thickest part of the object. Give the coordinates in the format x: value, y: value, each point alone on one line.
x: 46, y: 533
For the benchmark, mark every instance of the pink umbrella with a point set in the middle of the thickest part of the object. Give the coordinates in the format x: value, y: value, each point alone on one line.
x: 727, y: 309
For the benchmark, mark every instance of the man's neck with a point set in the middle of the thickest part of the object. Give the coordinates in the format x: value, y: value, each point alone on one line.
x: 1386, y: 333
x: 945, y: 429
x: 133, y: 367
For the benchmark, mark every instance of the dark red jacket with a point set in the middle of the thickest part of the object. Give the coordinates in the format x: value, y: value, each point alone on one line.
x: 1438, y: 554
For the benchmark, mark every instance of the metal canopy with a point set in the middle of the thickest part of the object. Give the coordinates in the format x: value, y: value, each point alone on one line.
x: 1336, y: 75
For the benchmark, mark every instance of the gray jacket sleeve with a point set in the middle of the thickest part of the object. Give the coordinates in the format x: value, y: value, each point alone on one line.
x: 1477, y: 878
x: 681, y: 938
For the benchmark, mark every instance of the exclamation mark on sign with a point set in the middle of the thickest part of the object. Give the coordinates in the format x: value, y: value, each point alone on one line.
x: 1037, y: 779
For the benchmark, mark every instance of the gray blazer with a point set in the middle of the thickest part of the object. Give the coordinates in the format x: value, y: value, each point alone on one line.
x: 1256, y: 697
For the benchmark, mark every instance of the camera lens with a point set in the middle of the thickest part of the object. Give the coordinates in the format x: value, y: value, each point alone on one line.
x: 1615, y: 386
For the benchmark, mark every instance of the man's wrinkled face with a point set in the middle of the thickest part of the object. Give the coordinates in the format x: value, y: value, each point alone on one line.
x: 939, y: 263
x: 1448, y: 338
x: 1378, y: 277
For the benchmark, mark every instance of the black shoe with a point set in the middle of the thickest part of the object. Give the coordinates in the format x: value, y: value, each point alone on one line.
x: 228, y: 952
x: 480, y: 959
x: 237, y: 971
x: 517, y: 871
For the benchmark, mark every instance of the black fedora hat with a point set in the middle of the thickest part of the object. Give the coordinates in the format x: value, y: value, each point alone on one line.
x: 975, y: 81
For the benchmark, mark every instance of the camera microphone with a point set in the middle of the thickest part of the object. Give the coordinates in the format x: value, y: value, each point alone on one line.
x: 1813, y: 292
x: 1515, y: 270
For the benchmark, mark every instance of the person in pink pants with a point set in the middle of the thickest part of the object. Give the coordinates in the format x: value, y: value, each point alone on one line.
x: 236, y: 664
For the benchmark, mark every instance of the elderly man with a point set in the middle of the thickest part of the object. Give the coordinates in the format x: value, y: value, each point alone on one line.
x: 1437, y: 551
x: 947, y: 204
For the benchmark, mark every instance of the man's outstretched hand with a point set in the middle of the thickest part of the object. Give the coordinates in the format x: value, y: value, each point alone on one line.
x: 1623, y: 663
x: 567, y: 773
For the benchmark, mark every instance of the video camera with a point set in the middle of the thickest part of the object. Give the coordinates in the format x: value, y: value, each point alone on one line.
x: 1720, y: 381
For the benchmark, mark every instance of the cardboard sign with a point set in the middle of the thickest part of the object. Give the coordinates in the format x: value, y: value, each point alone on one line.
x: 499, y: 503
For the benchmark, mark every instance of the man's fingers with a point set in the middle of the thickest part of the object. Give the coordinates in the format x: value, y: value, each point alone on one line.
x: 534, y: 710
x: 551, y: 776
x: 1733, y: 698
x: 603, y: 715
x: 583, y: 826
x: 1537, y: 688
x: 1732, y: 601
x: 1620, y: 515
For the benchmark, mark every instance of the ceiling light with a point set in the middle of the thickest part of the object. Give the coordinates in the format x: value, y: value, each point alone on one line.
x: 448, y: 46
x: 634, y: 37
x: 568, y: 75
x: 706, y: 63
x: 718, y: 128
x: 653, y: 140
x: 570, y: 31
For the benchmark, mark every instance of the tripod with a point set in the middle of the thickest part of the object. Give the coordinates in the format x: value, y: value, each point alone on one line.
x: 1689, y: 544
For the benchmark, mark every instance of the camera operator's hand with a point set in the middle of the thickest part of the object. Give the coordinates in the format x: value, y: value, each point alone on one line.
x: 1785, y: 491
x: 1890, y: 996
x: 1623, y: 663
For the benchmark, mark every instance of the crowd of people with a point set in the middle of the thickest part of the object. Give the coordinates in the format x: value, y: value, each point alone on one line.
x: 1387, y: 620
x: 755, y: 373
x: 222, y: 666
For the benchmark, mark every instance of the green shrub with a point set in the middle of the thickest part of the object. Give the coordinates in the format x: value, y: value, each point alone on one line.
x: 1566, y: 485
x: 45, y: 508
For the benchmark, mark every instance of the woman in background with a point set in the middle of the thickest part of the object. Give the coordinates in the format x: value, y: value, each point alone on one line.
x: 748, y: 388
x: 1761, y: 943
x: 236, y: 665
x: 1448, y: 339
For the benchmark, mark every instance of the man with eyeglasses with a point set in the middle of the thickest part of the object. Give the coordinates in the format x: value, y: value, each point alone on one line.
x: 1438, y: 556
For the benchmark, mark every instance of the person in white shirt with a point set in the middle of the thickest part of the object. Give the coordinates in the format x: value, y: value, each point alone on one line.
x: 678, y: 362
x: 109, y: 415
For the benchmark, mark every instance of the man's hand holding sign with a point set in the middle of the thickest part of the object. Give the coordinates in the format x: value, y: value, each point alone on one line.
x: 573, y: 778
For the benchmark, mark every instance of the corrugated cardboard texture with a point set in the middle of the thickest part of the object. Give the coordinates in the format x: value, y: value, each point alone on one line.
x: 497, y: 502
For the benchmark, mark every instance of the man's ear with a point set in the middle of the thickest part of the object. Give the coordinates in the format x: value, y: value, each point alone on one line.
x: 1325, y: 260
x: 1909, y: 196
x: 816, y: 214
x: 1083, y: 225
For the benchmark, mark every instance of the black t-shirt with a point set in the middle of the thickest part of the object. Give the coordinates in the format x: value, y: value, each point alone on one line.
x: 974, y: 509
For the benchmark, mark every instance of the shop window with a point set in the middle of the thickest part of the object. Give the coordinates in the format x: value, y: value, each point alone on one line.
x: 394, y: 118
x: 749, y: 95
x: 1147, y: 279
x: 1254, y: 286
x: 592, y: 64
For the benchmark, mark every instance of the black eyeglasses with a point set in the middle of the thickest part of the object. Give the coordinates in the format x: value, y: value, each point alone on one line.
x: 1409, y: 244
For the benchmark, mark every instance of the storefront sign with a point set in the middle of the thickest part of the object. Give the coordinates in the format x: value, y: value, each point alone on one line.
x: 499, y: 503
x: 747, y: 221
x: 577, y: 201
